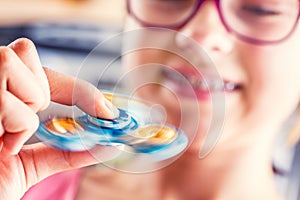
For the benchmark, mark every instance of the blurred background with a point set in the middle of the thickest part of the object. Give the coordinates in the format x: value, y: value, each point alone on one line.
x: 99, y: 12
x: 66, y: 31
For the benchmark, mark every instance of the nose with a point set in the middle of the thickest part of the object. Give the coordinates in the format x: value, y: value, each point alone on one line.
x: 207, y: 29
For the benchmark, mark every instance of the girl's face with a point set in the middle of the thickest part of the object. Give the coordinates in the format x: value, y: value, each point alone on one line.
x: 266, y: 78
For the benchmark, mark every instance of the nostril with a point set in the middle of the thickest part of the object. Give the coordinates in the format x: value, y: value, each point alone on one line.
x: 211, y: 42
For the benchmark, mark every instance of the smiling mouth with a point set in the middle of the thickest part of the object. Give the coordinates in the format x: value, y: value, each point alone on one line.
x: 209, y: 84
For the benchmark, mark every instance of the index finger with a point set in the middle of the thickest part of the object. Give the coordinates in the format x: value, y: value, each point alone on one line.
x: 68, y: 90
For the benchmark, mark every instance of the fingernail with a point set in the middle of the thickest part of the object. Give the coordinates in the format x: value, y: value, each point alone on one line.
x: 112, y: 108
x: 107, y: 112
x: 108, y: 104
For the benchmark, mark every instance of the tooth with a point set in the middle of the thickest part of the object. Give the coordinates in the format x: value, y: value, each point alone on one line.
x: 211, y: 85
x: 218, y: 85
x: 181, y: 79
x: 193, y: 81
x: 202, y: 85
x: 229, y: 86
x: 176, y: 77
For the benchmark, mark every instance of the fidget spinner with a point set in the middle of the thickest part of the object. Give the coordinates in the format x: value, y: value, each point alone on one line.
x: 134, y: 125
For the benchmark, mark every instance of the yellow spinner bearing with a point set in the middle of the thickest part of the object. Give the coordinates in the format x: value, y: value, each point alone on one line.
x: 156, y: 134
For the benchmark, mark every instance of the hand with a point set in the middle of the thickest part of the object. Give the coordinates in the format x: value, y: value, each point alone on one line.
x: 26, y: 88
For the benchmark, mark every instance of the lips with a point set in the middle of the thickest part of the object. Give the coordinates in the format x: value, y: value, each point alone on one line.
x: 188, y: 83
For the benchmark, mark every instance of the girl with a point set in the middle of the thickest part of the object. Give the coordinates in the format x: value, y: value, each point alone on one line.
x: 253, y: 45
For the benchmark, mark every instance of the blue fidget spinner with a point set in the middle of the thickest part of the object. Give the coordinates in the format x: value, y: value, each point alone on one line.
x: 130, y: 127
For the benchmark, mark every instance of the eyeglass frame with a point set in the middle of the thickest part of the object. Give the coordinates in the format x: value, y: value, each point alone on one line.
x: 222, y: 18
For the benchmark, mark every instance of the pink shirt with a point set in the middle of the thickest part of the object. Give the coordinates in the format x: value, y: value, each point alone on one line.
x: 61, y: 186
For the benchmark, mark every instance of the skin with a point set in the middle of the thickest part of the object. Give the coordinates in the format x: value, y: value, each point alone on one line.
x: 21, y: 72
x: 239, y: 167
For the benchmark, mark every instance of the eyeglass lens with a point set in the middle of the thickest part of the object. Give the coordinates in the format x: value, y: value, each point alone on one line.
x: 265, y: 20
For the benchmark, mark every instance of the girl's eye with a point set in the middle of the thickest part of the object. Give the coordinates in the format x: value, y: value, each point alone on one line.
x: 260, y: 11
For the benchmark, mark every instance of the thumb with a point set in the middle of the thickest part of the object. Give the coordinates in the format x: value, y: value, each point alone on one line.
x: 40, y: 161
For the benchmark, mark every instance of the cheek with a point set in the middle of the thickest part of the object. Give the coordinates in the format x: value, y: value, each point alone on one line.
x: 273, y: 87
